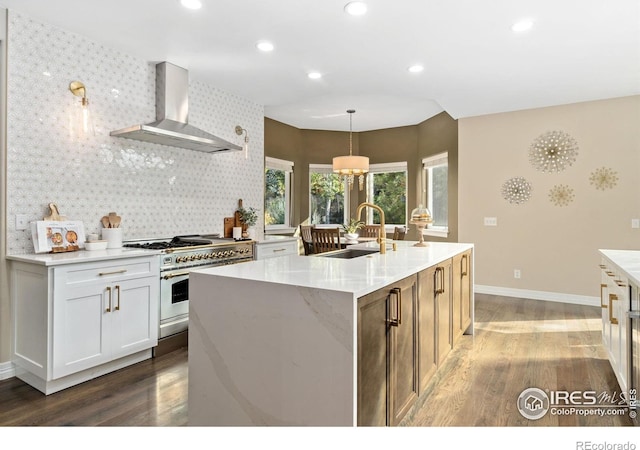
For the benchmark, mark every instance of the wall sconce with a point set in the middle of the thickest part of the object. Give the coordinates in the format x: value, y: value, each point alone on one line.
x: 245, y: 147
x: 78, y: 89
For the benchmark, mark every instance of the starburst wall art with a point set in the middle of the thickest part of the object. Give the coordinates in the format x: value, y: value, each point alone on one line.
x: 561, y: 195
x: 553, y: 151
x: 516, y: 190
x: 603, y: 178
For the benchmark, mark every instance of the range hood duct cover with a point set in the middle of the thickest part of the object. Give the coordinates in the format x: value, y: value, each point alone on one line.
x: 172, y: 112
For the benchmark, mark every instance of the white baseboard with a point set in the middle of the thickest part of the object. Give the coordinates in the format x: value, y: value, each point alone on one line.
x: 7, y: 370
x: 538, y: 295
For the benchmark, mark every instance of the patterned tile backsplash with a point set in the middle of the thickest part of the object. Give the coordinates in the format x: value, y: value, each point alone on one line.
x: 159, y: 191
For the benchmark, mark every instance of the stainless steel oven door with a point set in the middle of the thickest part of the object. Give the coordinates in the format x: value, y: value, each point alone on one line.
x: 174, y: 302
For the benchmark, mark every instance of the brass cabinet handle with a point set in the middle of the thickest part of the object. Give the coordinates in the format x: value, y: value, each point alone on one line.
x: 117, y: 308
x: 436, y: 278
x: 608, y: 272
x: 279, y: 250
x: 394, y: 322
x: 602, y: 266
x: 613, y: 320
x: 109, y: 307
x: 466, y: 265
x: 619, y: 283
x: 442, y: 289
x: 602, y: 303
x: 102, y: 274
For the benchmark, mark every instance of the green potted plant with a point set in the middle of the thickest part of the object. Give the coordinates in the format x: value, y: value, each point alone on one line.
x: 248, y: 217
x: 351, y: 229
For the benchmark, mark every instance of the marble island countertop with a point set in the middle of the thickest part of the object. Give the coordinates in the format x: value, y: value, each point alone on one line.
x: 627, y: 260
x: 358, y: 276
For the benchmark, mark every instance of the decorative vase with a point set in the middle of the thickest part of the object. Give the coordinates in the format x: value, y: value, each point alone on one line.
x: 351, y: 237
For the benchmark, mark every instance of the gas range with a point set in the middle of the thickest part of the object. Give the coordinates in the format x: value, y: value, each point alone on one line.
x: 178, y: 256
x: 193, y: 251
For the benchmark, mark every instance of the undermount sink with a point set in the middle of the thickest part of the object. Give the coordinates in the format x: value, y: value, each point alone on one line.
x: 349, y: 253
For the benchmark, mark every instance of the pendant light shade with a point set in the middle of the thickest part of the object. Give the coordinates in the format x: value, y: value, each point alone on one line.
x: 351, y: 166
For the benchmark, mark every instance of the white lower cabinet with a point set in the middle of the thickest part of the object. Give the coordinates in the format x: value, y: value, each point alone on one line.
x: 75, y: 322
x: 272, y: 249
x: 614, y: 302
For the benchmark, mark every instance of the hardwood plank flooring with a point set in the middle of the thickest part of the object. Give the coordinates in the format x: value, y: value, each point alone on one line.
x: 518, y: 344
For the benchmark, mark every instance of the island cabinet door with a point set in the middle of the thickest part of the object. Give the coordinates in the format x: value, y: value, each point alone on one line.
x: 427, y: 352
x: 387, y: 358
x: 461, y: 293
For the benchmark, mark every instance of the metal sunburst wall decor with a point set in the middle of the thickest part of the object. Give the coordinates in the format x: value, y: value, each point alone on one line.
x: 561, y: 195
x: 516, y: 190
x: 553, y: 151
x: 603, y: 178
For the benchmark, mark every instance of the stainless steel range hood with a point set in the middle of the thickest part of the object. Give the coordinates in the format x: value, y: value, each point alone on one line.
x: 172, y: 111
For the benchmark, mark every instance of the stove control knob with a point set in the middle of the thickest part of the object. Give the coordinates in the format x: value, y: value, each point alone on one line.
x: 179, y: 259
x: 199, y: 256
x: 218, y: 255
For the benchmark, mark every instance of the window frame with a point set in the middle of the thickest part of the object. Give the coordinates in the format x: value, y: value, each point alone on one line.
x: 399, y: 166
x: 271, y: 163
x: 428, y: 163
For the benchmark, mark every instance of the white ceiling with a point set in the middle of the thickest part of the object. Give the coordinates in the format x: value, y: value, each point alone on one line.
x: 577, y: 50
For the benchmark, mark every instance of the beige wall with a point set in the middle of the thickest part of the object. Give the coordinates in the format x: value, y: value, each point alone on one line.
x: 554, y: 247
x: 410, y: 143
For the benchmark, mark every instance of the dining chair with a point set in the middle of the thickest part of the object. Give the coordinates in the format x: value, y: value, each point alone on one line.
x: 307, y: 241
x: 325, y: 239
x: 369, y: 231
x: 398, y: 233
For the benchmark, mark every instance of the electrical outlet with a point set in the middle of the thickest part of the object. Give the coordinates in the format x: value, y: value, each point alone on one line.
x: 490, y: 221
x: 635, y: 223
x: 22, y: 221
x: 516, y: 273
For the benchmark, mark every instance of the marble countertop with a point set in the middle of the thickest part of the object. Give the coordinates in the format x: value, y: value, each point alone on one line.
x: 81, y: 256
x: 627, y: 260
x: 359, y: 276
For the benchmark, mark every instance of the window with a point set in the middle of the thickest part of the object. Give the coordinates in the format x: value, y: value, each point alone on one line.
x: 328, y: 198
x: 277, y: 193
x: 436, y: 196
x: 387, y: 188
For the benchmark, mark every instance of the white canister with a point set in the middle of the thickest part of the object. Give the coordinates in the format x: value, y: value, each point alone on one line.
x: 237, y: 232
x: 113, y: 236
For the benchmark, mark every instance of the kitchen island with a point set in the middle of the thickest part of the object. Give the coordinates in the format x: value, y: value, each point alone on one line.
x: 292, y: 340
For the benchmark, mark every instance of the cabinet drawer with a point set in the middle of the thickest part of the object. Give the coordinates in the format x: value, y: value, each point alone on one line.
x: 273, y: 249
x: 117, y: 269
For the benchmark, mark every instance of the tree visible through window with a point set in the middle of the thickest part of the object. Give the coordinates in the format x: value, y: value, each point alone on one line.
x: 326, y: 196
x: 436, y: 175
x: 277, y: 193
x: 387, y: 188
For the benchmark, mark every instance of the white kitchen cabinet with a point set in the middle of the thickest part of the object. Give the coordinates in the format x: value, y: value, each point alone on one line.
x: 274, y: 248
x: 614, y: 302
x: 75, y: 322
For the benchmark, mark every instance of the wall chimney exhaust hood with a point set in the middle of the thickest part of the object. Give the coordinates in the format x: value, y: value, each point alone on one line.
x: 172, y: 112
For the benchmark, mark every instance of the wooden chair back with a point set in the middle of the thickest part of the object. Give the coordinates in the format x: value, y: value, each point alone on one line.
x: 307, y: 241
x: 398, y: 233
x: 369, y: 231
x: 325, y: 239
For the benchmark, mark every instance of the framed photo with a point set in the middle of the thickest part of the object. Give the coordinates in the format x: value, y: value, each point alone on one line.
x: 57, y: 236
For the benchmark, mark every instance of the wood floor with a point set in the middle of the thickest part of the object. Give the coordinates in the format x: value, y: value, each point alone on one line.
x: 518, y: 344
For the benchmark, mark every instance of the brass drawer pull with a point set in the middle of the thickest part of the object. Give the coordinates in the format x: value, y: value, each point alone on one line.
x: 602, y: 303
x: 279, y: 250
x: 394, y: 322
x: 102, y: 274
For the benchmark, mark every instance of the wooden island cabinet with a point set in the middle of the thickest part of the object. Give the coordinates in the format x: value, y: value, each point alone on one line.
x: 325, y: 341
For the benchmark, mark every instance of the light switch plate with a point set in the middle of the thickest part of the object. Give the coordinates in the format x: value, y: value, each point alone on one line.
x: 635, y: 223
x: 490, y: 221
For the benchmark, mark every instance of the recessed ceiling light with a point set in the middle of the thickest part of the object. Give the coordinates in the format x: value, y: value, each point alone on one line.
x: 191, y: 4
x: 522, y: 25
x: 314, y: 75
x: 265, y: 46
x: 356, y: 8
x: 415, y: 68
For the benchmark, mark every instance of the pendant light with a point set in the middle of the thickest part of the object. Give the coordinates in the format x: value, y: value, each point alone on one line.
x: 350, y: 166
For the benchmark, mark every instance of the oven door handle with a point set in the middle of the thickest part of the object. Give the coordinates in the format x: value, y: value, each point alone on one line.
x: 173, y: 275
